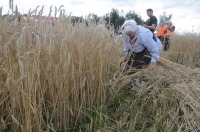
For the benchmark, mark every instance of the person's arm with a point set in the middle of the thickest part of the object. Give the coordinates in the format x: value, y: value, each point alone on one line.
x: 153, y: 49
x: 153, y: 26
x: 126, y: 49
x: 172, y: 28
x: 154, y: 23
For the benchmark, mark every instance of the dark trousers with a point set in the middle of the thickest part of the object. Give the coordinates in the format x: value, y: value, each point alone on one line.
x: 161, y: 38
x: 139, y: 60
x: 166, y: 44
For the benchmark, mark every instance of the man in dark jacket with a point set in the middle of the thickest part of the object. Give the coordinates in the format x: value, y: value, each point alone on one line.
x: 151, y: 23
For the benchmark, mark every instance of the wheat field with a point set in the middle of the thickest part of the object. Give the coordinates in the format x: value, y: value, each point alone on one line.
x: 185, y: 49
x: 65, y: 78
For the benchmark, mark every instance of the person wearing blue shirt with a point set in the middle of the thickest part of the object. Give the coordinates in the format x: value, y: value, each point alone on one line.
x: 142, y: 47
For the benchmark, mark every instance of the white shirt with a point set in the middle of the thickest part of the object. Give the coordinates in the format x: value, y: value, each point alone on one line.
x: 144, y: 39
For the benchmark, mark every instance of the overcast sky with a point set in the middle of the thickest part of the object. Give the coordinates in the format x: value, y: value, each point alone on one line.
x: 186, y: 13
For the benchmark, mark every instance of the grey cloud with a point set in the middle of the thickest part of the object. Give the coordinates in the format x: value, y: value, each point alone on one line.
x: 77, y: 2
x: 119, y: 2
x: 195, y: 16
x: 179, y: 16
x: 180, y: 4
x: 187, y: 8
x: 125, y: 1
x: 172, y: 5
x: 114, y: 0
x: 196, y: 8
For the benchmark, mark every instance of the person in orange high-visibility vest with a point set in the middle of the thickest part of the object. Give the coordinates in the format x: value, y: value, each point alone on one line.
x: 169, y: 33
x: 161, y: 31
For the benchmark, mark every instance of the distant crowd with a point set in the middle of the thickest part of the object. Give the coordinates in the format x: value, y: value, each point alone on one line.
x: 164, y: 32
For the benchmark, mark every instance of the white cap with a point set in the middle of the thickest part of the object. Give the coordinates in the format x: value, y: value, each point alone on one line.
x: 129, y: 26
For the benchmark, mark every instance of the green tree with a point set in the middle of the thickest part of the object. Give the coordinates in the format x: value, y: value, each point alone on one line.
x: 135, y: 16
x: 114, y: 19
x: 94, y: 17
x: 164, y: 17
x: 114, y: 16
x: 107, y: 18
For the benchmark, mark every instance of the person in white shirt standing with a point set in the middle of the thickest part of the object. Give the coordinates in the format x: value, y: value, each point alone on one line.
x: 142, y: 48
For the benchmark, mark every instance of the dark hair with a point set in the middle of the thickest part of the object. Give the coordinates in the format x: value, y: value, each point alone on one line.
x: 150, y: 10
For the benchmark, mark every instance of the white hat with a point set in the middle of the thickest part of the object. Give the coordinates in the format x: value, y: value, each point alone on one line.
x: 129, y: 26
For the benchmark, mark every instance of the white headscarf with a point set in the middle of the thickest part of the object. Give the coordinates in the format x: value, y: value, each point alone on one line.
x: 129, y: 26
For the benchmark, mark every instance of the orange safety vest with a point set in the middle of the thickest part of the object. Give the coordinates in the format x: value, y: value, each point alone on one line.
x: 170, y: 33
x: 161, y: 31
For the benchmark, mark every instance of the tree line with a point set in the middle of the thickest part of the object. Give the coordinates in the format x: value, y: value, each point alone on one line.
x: 116, y: 18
